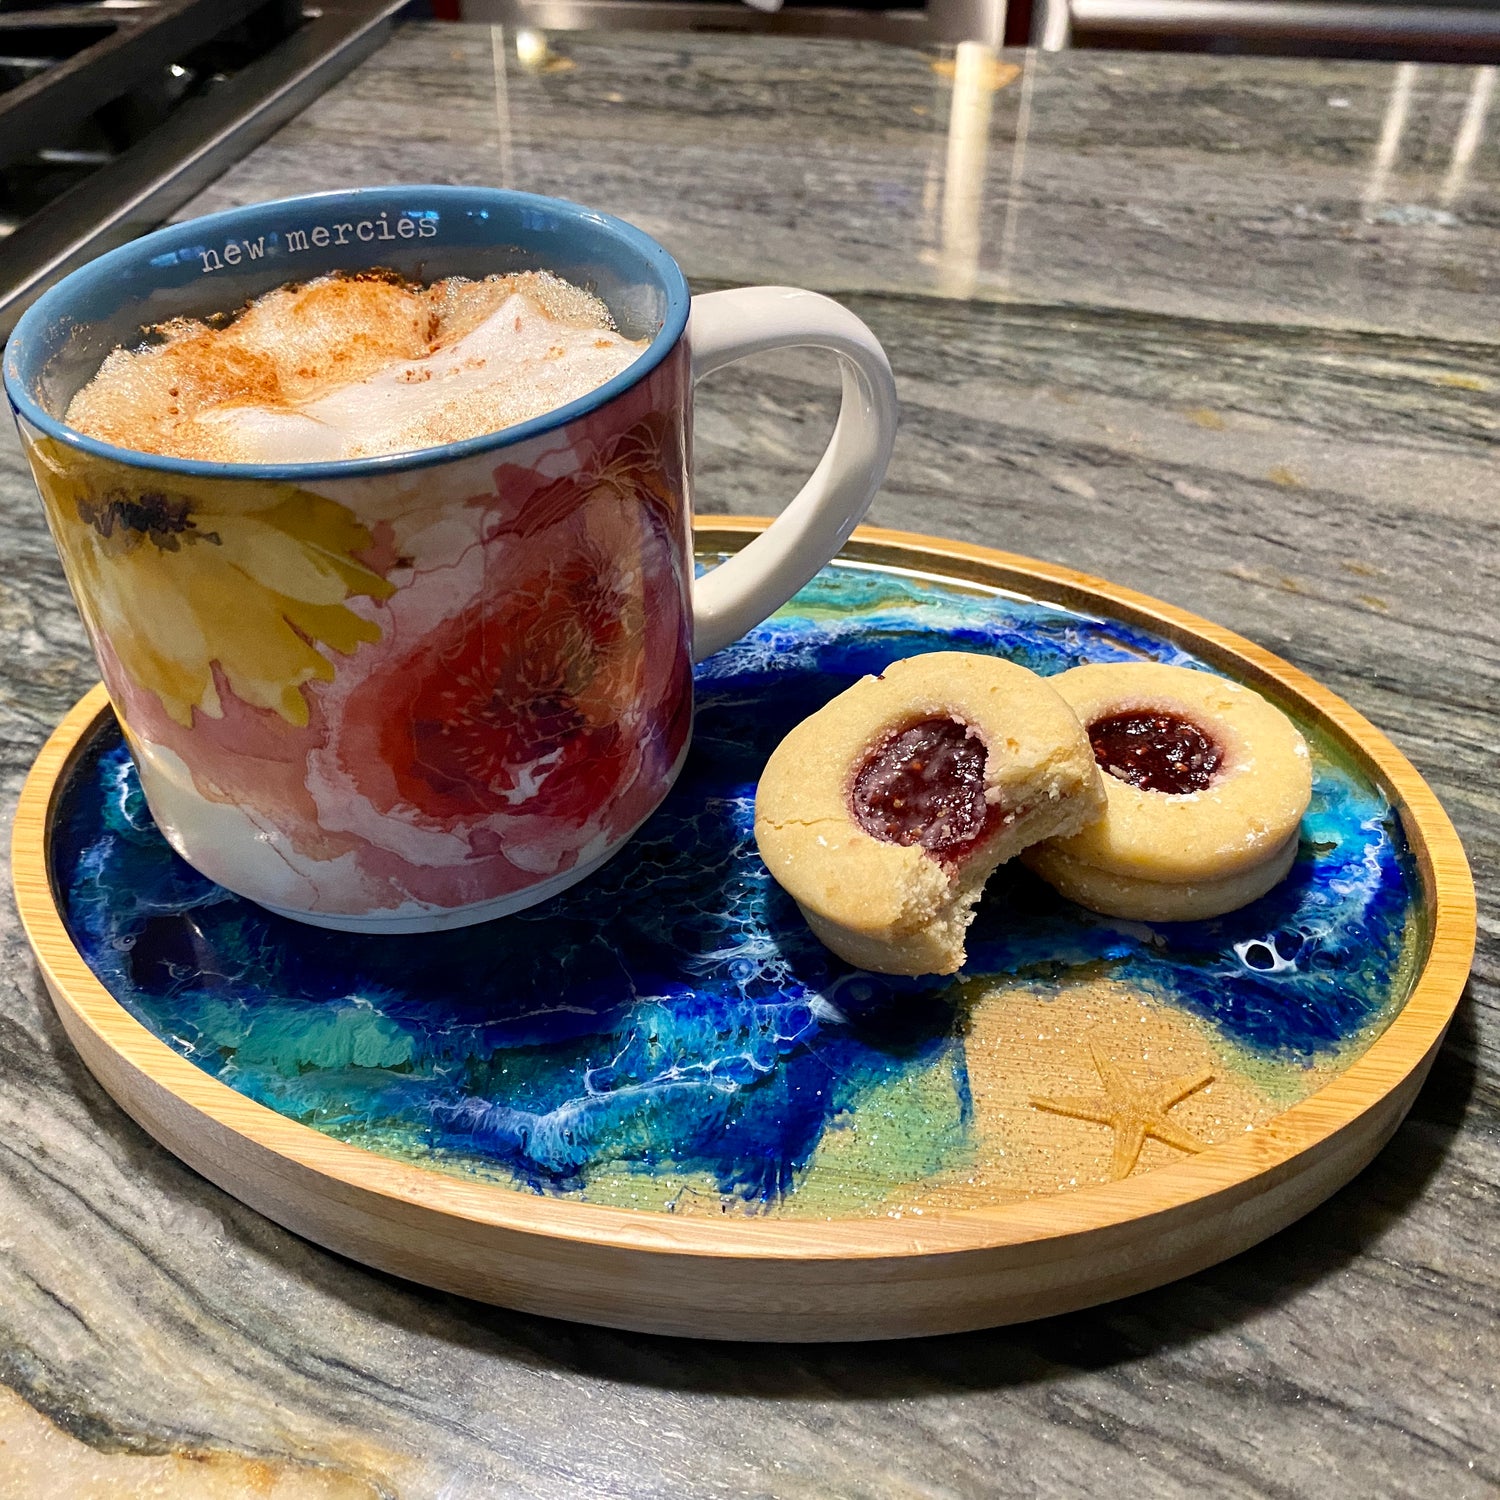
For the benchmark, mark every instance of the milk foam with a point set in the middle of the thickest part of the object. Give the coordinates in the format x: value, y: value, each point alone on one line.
x: 353, y: 367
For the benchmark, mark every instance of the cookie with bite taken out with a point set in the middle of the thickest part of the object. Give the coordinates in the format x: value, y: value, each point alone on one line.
x: 884, y: 813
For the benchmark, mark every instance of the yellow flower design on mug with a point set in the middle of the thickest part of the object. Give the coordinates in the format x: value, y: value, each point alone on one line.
x: 181, y: 575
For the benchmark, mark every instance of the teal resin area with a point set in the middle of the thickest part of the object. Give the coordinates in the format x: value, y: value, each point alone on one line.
x: 671, y: 1020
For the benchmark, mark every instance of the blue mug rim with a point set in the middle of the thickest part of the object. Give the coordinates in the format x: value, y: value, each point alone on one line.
x: 53, y: 304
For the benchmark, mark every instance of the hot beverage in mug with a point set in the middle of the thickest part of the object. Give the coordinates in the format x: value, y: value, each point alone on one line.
x: 396, y: 604
x: 354, y: 366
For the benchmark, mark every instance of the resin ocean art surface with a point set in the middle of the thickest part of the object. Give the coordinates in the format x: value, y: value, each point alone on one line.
x: 668, y: 1035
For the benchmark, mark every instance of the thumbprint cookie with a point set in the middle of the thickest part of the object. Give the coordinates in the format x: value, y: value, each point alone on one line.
x: 884, y: 813
x: 1206, y: 784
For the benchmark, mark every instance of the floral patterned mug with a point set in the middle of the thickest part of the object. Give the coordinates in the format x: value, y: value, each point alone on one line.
x: 416, y: 691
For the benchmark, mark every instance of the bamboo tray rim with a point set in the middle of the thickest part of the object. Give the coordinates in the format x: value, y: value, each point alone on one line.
x: 1230, y: 1171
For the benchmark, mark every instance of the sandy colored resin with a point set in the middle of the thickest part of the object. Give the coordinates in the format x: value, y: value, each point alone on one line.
x: 1155, y: 856
x: 899, y: 909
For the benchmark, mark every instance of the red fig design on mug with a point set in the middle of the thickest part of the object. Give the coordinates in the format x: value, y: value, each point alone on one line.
x: 525, y: 704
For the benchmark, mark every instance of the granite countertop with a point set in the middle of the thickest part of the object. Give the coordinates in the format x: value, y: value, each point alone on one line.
x: 1224, y: 330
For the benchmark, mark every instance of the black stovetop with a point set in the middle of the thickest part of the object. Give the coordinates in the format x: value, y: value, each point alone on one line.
x: 114, y: 112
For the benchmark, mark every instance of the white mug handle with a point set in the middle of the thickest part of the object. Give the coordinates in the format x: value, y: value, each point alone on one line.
x: 758, y: 580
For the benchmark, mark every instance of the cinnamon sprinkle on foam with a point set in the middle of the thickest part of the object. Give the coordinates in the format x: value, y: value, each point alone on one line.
x: 355, y: 366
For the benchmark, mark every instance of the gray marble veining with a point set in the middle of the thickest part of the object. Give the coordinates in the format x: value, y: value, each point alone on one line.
x: 1208, y: 187
x: 1276, y: 449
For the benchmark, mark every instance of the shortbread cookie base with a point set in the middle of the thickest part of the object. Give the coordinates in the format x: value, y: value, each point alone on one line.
x: 896, y: 908
x: 927, y: 936
x: 1140, y: 900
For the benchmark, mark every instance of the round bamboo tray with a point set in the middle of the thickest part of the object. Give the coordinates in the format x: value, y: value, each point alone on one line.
x: 799, y: 1279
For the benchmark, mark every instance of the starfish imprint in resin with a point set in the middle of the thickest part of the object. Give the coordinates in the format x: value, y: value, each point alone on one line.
x: 1133, y: 1111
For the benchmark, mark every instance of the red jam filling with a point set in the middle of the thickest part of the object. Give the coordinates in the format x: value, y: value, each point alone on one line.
x: 925, y: 786
x: 1158, y: 752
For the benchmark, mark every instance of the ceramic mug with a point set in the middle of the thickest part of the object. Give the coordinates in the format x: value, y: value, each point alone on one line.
x: 426, y: 689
